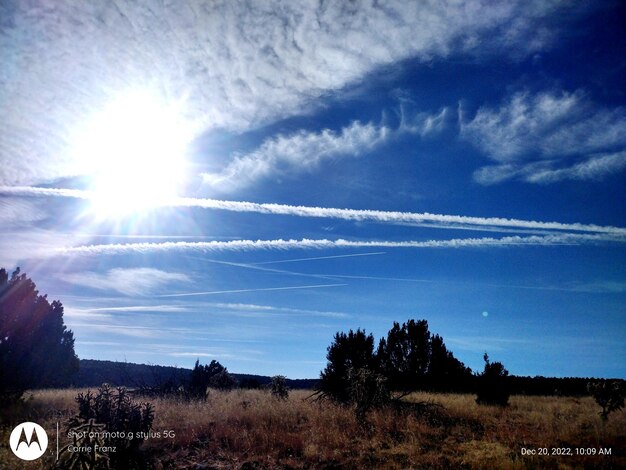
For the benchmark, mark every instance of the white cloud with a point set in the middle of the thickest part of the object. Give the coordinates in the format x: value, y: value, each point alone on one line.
x: 237, y: 64
x: 296, y: 153
x: 124, y: 330
x: 592, y: 168
x: 131, y: 282
x: 15, y: 211
x: 306, y: 150
x: 279, y: 310
x: 484, y: 343
x: 548, y: 137
x: 17, y: 245
x: 142, y: 308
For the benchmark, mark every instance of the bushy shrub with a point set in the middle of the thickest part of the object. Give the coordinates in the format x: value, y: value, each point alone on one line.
x: 492, y: 384
x: 109, y: 418
x: 278, y: 387
x: 368, y: 390
x: 608, y: 394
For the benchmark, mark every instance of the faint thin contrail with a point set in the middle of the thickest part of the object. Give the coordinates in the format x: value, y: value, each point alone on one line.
x: 315, y: 258
x: 236, y: 291
x: 387, y: 217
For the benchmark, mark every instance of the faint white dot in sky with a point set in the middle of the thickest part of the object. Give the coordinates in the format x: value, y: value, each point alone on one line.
x: 485, y: 314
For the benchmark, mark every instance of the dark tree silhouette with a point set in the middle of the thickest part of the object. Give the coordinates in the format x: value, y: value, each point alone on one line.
x: 409, y: 358
x: 209, y: 375
x: 405, y: 355
x: 492, y: 384
x: 412, y: 358
x: 36, y: 349
x: 609, y: 395
x: 348, y: 354
x: 445, y: 372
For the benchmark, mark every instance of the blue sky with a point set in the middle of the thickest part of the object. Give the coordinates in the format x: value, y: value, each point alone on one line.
x: 239, y: 182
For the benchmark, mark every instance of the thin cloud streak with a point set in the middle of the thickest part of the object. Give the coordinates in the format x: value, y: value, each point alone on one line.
x: 315, y: 258
x: 127, y: 281
x: 601, y: 287
x: 358, y: 215
x: 259, y: 268
x: 274, y: 309
x: 237, y: 291
x: 142, y: 308
x: 248, y: 245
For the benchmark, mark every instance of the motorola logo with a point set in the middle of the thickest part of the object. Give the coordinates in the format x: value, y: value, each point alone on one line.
x: 28, y: 441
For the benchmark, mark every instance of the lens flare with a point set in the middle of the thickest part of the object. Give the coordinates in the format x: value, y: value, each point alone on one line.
x: 135, y: 150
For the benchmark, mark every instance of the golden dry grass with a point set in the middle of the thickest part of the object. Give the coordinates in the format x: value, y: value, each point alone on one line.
x: 249, y: 429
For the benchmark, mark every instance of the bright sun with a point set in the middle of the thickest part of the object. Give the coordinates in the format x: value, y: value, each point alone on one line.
x: 136, y: 149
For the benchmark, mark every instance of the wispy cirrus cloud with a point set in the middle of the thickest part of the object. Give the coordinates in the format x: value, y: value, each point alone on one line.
x: 296, y: 153
x: 17, y: 244
x: 238, y: 63
x: 125, y: 330
x: 142, y: 308
x: 303, y: 150
x: 594, y: 167
x: 485, y: 343
x: 16, y: 212
x: 279, y: 310
x: 548, y: 137
x: 127, y: 281
x: 359, y: 215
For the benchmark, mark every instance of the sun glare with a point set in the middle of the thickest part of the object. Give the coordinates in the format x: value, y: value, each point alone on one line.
x: 136, y: 150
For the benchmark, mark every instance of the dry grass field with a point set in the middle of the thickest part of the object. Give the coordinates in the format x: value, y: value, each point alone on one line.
x: 249, y: 429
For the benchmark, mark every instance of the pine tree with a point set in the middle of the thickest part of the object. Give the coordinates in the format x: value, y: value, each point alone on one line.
x: 405, y: 354
x: 36, y: 348
x: 347, y: 354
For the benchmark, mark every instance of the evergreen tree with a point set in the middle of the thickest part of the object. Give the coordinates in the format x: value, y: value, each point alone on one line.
x: 36, y: 348
x: 493, y: 386
x: 405, y: 354
x: 445, y: 372
x: 348, y: 354
x: 209, y: 375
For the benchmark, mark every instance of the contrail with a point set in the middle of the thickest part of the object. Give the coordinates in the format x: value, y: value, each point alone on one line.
x: 250, y: 245
x: 387, y: 217
x: 259, y: 268
x: 236, y: 291
x: 319, y: 257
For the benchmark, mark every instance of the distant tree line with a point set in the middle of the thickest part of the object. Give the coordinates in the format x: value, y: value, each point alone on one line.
x: 37, y: 351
